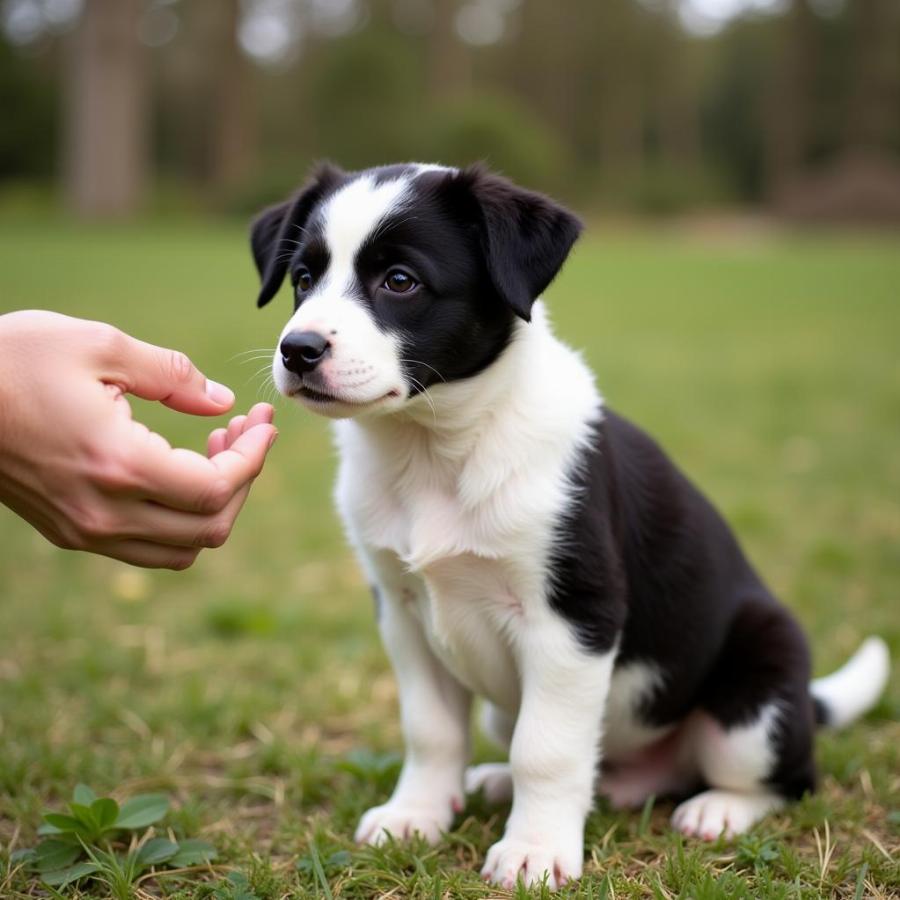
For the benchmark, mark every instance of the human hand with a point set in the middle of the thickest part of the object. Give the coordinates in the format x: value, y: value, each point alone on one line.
x: 75, y: 464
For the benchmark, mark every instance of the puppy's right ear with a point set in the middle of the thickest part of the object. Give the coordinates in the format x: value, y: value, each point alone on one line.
x: 275, y: 231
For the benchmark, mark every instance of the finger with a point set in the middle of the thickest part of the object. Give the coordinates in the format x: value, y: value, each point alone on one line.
x: 260, y: 414
x: 182, y: 479
x: 243, y: 460
x: 146, y: 520
x: 235, y: 430
x: 149, y: 555
x: 216, y: 442
x: 168, y: 376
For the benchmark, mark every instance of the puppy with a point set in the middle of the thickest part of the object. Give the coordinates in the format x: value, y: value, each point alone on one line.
x: 524, y: 543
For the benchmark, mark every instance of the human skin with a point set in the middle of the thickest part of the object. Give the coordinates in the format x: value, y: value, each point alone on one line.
x: 83, y: 472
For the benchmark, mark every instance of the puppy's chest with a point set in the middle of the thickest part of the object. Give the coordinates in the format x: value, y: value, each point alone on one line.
x: 470, y: 613
x: 431, y: 525
x: 477, y: 557
x: 470, y: 583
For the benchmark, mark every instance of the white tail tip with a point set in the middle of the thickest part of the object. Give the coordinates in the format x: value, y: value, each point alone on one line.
x: 855, y: 688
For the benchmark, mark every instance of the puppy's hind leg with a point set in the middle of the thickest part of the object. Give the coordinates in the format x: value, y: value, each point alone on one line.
x: 494, y: 779
x: 752, y: 738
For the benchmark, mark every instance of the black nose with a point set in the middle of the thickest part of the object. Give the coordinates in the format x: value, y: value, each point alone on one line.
x: 302, y: 351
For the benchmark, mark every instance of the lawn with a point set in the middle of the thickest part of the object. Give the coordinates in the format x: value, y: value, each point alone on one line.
x: 252, y: 688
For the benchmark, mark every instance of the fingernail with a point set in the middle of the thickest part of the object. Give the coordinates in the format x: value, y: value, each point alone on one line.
x: 218, y: 393
x: 272, y: 440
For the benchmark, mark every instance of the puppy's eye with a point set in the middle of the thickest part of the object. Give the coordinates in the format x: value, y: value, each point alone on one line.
x: 304, y: 281
x: 400, y: 282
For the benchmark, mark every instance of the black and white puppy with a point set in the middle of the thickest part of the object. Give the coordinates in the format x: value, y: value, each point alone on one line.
x: 525, y: 543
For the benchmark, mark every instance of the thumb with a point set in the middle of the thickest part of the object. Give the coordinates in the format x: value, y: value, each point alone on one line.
x: 168, y: 376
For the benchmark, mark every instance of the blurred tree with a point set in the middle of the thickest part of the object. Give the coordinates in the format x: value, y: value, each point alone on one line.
x: 29, y: 98
x: 731, y: 101
x: 366, y: 109
x: 617, y: 31
x: 874, y: 108
x: 234, y: 132
x: 505, y: 134
x: 676, y: 93
x: 637, y: 102
x: 106, y: 110
x: 448, y: 59
x: 790, y: 95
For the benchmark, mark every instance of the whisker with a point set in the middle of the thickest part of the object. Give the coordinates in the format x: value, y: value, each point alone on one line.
x: 248, y: 352
x: 264, y: 390
x: 427, y: 396
x: 256, y: 375
x: 261, y: 371
x: 419, y: 362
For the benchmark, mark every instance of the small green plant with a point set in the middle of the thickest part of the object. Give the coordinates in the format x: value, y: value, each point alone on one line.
x: 102, y: 840
x: 756, y: 852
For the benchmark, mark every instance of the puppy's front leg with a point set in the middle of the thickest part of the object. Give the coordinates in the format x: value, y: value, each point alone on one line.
x: 554, y: 758
x: 434, y: 711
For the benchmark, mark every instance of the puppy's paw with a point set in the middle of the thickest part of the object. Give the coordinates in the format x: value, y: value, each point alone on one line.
x: 494, y: 779
x: 402, y: 822
x: 715, y: 814
x: 548, y: 855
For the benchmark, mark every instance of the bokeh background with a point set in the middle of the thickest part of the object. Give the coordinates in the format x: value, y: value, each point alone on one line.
x: 654, y: 106
x: 737, y: 292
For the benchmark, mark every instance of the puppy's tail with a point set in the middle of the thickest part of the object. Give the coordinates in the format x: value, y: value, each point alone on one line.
x: 853, y: 689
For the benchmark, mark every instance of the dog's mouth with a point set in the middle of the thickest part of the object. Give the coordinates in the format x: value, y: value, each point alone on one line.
x: 318, y: 396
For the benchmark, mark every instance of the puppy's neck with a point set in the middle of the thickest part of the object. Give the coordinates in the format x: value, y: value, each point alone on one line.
x: 457, y: 413
x: 537, y: 398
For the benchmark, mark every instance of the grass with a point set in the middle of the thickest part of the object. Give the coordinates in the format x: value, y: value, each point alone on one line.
x: 253, y: 689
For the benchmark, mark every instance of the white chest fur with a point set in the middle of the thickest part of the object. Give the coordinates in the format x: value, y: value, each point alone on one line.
x: 470, y: 614
x: 465, y: 492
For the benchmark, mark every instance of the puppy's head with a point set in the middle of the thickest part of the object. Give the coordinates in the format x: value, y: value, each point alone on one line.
x: 402, y: 277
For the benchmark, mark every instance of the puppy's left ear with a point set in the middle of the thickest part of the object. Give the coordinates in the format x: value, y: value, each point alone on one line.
x: 525, y: 236
x: 275, y: 228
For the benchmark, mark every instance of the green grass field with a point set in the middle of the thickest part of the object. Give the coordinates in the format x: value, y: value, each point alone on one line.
x: 253, y: 689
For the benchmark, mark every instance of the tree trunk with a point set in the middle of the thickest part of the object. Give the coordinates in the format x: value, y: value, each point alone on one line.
x: 105, y: 114
x: 678, y: 119
x: 449, y: 61
x: 234, y: 145
x: 871, y: 123
x: 790, y: 99
x: 619, y: 103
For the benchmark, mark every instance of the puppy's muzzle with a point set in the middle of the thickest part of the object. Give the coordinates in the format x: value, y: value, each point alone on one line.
x: 302, y: 351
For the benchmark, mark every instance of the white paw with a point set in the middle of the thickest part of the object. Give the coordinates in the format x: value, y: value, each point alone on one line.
x: 402, y: 822
x: 715, y: 814
x: 510, y: 859
x: 494, y: 779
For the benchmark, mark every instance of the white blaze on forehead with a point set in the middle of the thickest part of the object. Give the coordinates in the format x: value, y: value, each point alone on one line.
x: 423, y: 168
x: 352, y: 215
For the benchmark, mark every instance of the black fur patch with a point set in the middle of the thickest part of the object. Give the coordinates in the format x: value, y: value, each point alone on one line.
x: 645, y: 558
x: 481, y: 248
x: 276, y: 231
